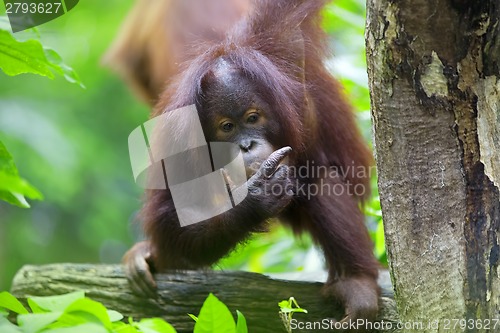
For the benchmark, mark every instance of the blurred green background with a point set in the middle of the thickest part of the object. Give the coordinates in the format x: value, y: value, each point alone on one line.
x: 71, y: 144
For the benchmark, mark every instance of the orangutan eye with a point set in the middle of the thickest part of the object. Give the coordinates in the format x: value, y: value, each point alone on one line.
x: 227, y: 126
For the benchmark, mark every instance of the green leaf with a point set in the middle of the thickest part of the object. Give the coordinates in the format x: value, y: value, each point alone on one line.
x: 287, y: 308
x: 84, y: 328
x: 9, y: 302
x: 34, y: 322
x: 54, y: 303
x: 19, y: 57
x: 121, y: 327
x: 284, y: 305
x: 192, y: 316
x: 13, y: 190
x: 214, y: 317
x: 241, y: 324
x: 12, y: 187
x: 4, y: 23
x: 56, y: 63
x: 155, y: 325
x: 7, y: 164
x: 86, y: 309
x: 22, y: 57
x: 14, y: 199
x: 114, y: 316
x: 7, y: 327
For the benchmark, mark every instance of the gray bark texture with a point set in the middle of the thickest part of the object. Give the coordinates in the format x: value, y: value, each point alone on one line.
x: 435, y: 90
x: 255, y: 295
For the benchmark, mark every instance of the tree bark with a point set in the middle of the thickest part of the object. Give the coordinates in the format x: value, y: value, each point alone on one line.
x: 255, y: 295
x: 435, y: 90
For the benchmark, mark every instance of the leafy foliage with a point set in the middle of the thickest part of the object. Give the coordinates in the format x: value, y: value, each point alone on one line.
x: 30, y: 56
x: 13, y: 188
x: 287, y: 309
x: 71, y: 313
x: 18, y: 58
x: 75, y: 313
x: 215, y: 317
x: 22, y: 57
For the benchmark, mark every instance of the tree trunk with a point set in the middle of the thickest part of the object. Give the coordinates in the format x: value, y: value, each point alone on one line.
x: 435, y: 91
x: 255, y: 295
